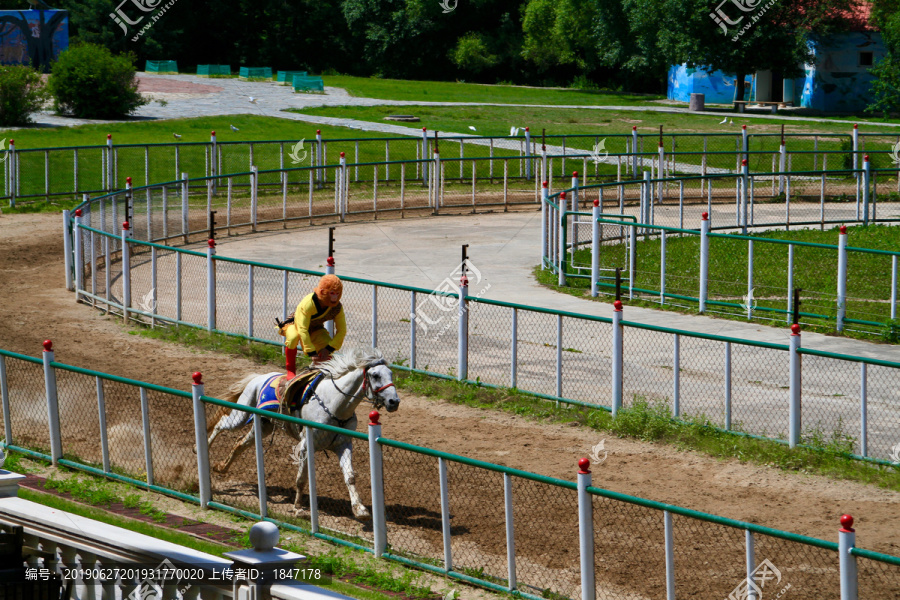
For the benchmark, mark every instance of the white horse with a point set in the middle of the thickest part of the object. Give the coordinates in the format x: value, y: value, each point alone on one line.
x: 350, y: 376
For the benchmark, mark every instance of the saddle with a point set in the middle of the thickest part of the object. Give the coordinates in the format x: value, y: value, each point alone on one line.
x: 280, y: 395
x: 293, y: 394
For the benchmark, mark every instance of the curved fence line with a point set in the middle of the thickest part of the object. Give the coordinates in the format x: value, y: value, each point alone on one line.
x: 76, y: 170
x: 495, y: 544
x: 612, y: 244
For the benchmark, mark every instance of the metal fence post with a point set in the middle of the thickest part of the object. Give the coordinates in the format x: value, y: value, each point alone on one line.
x: 437, y: 179
x: 424, y: 154
x: 79, y: 256
x: 13, y: 170
x: 462, y: 362
x: 855, y: 145
x: 318, y: 156
x: 745, y: 194
x: 377, y: 481
x: 561, y: 238
x: 145, y: 426
x: 445, y: 514
x: 634, y: 151
x: 867, y: 173
x: 545, y: 253
x: 586, y: 530
x: 782, y: 158
x: 109, y: 162
x: 528, y: 153
x: 254, y: 195
x: 510, y: 532
x: 311, y: 479
x: 4, y: 400
x: 617, y: 358
x: 595, y: 247
x: 342, y: 194
x: 669, y: 539
x: 184, y: 207
x: 52, y: 403
x: 67, y: 251
x: 846, y: 560
x: 126, y: 272
x: 794, y: 387
x: 374, y: 316
x: 842, y: 278
x: 412, y: 331
x: 745, y: 145
x: 704, y: 260
x: 213, y: 163
x: 260, y: 465
x: 863, y: 409
x: 676, y: 380
x: 514, y: 350
x: 104, y: 438
x: 211, y: 285
x: 203, y: 479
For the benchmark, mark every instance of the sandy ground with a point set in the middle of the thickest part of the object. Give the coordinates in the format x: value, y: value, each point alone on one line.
x: 36, y: 307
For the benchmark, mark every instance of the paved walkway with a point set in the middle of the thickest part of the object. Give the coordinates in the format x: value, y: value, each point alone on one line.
x: 421, y: 252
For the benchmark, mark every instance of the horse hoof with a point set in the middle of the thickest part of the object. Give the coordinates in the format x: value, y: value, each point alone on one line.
x: 362, y: 515
x: 301, y: 512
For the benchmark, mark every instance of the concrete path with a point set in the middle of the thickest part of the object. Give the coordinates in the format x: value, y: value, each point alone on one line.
x: 505, y: 248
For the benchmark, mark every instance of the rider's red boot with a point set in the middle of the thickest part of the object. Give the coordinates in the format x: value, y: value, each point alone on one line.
x: 290, y: 362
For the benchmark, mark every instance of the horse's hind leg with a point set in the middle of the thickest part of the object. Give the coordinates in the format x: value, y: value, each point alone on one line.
x: 242, y: 445
x: 300, y: 455
x: 345, y: 456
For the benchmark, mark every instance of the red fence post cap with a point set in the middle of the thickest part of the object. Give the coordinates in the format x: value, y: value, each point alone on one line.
x: 847, y: 523
x: 584, y: 465
x: 77, y: 212
x: 424, y: 129
x: 855, y: 126
x: 544, y: 184
x: 526, y: 129
x: 12, y: 142
x: 211, y: 242
x: 795, y: 328
x: 330, y: 261
x: 373, y: 418
x: 109, y: 136
x: 125, y: 225
x: 48, y: 346
x: 562, y: 195
x: 197, y: 376
x: 212, y: 133
x: 705, y: 216
x: 596, y: 201
x: 866, y: 158
x: 743, y: 127
x: 617, y: 305
x: 634, y: 127
x: 318, y: 131
x: 843, y: 229
x: 574, y: 173
x: 743, y: 162
x: 342, y: 155
x: 128, y: 180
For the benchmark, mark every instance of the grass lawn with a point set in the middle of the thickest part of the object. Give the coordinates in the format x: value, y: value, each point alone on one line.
x: 449, y: 91
x: 815, y: 272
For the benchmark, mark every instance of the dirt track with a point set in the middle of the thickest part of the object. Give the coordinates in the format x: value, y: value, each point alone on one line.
x: 36, y: 307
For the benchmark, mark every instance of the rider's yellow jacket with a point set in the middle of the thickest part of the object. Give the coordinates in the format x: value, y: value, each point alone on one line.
x: 308, y: 328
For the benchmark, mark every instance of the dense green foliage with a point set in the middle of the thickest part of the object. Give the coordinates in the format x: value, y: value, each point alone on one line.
x: 88, y: 81
x: 886, y: 88
x: 22, y: 92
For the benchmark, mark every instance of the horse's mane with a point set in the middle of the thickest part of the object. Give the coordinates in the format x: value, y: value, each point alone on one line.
x: 350, y: 359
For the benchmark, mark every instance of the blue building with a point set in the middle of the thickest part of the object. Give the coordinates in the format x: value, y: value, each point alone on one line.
x: 838, y: 80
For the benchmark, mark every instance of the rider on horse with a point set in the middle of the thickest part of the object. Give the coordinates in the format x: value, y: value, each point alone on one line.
x: 307, y: 325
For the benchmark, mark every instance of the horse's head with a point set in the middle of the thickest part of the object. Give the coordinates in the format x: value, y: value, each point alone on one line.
x: 379, y: 386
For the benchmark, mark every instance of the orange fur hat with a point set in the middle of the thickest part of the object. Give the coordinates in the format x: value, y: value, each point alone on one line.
x: 329, y: 284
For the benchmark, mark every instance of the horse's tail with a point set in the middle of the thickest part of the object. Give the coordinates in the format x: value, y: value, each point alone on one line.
x: 231, y: 395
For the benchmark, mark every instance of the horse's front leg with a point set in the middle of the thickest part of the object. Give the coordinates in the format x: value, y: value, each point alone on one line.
x: 345, y: 455
x: 299, y: 456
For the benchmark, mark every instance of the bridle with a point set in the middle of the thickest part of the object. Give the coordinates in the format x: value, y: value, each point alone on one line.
x: 371, y: 393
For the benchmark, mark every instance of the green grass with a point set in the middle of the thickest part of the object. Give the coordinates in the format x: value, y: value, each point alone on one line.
x: 447, y: 91
x: 644, y: 420
x: 815, y: 273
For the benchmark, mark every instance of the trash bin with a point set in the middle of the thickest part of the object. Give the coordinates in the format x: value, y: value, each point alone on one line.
x: 697, y: 102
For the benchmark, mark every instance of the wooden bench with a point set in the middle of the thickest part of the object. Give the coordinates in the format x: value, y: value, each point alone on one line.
x: 741, y: 104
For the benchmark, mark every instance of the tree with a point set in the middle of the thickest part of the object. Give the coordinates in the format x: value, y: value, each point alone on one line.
x: 88, y: 81
x: 22, y: 92
x: 773, y: 36
x: 886, y: 87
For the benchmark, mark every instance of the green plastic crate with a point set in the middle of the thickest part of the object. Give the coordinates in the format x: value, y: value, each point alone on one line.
x: 286, y: 77
x: 305, y: 84
x: 256, y: 72
x: 213, y: 70
x: 161, y: 66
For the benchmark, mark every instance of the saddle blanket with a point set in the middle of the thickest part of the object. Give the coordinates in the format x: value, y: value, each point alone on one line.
x: 270, y: 395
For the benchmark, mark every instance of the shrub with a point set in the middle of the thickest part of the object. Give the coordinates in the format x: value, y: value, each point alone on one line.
x: 22, y: 92
x: 88, y: 81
